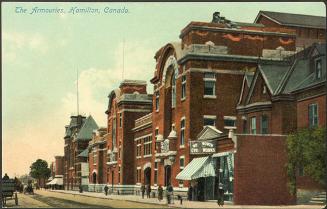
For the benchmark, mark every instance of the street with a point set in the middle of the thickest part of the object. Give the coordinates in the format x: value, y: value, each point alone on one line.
x: 46, y: 199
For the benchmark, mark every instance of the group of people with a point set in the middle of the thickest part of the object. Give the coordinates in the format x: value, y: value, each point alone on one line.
x: 147, y: 189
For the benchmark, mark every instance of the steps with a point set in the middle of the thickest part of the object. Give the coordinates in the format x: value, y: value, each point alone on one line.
x: 319, y: 199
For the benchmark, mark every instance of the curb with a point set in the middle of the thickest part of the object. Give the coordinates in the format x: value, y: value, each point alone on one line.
x: 109, y: 198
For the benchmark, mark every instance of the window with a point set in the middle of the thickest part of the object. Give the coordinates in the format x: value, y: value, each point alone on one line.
x: 229, y: 121
x: 245, y: 127
x: 155, y: 172
x: 138, y: 148
x: 147, y: 145
x: 318, y: 69
x: 181, y: 167
x: 119, y: 152
x: 94, y: 158
x: 157, y: 101
x: 264, y: 124
x: 264, y: 89
x: 138, y: 175
x: 120, y: 120
x: 209, y: 84
x: 182, y: 139
x: 181, y: 162
x: 119, y: 174
x: 173, y: 91
x: 209, y: 121
x: 114, y: 133
x: 183, y: 86
x: 156, y: 133
x: 253, y: 126
x: 313, y: 115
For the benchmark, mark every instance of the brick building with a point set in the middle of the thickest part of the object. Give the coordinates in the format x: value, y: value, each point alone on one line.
x: 193, y: 96
x: 127, y: 103
x: 309, y: 29
x: 276, y: 100
x: 77, y: 137
x: 97, y: 158
x: 57, y: 172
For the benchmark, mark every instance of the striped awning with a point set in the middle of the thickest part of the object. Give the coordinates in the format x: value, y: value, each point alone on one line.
x: 197, y: 168
x: 56, y: 181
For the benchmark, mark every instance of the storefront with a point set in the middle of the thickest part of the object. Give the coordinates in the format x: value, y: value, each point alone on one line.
x: 209, y: 170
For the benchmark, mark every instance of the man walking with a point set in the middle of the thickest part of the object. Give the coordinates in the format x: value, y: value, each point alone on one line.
x: 142, y: 190
x: 148, y: 190
x: 106, y: 189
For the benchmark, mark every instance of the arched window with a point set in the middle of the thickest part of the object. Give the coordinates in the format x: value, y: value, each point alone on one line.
x: 173, y: 91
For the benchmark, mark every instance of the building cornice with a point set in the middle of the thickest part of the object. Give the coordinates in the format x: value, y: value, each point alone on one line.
x: 233, y: 30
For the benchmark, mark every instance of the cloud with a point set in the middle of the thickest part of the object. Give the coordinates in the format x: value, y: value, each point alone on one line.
x: 15, y: 43
x: 43, y: 138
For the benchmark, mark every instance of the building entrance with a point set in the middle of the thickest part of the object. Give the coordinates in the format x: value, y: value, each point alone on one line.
x: 167, y: 175
x: 94, y: 178
x: 147, y: 176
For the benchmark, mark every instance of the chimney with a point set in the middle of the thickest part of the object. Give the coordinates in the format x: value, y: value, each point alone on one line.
x: 216, y: 17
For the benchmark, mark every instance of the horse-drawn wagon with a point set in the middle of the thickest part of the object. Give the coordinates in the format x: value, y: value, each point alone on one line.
x: 8, y: 191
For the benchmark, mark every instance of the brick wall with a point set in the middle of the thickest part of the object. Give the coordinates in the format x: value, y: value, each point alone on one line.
x: 260, y: 172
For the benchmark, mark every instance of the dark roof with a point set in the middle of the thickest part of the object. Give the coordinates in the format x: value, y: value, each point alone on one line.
x: 74, y: 124
x: 85, y: 153
x: 302, y: 75
x: 289, y: 19
x: 87, y: 129
x: 273, y: 74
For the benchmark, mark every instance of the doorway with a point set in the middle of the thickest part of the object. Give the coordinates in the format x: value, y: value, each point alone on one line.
x: 147, y: 176
x: 167, y: 175
x: 94, y: 178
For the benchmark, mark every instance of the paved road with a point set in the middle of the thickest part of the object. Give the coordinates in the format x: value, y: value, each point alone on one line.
x: 46, y: 199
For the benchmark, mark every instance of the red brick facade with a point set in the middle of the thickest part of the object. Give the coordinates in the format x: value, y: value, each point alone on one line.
x: 126, y: 104
x: 305, y: 36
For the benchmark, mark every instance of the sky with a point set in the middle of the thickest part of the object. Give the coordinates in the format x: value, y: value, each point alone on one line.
x: 42, y: 53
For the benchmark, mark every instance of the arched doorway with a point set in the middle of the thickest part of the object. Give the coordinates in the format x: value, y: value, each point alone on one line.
x: 167, y: 175
x: 94, y: 178
x: 147, y: 176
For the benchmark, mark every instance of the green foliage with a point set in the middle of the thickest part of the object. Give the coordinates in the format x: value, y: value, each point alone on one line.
x: 39, y: 169
x: 307, y: 149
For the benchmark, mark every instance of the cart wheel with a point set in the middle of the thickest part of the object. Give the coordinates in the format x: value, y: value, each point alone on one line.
x: 16, y: 199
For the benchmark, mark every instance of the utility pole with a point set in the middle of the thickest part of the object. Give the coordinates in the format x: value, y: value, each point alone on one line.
x: 77, y: 102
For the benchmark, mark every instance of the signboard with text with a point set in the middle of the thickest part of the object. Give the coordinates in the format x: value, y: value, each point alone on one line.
x: 202, y: 147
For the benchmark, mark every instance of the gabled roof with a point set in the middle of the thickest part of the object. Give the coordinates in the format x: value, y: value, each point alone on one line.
x: 273, y: 74
x: 289, y: 19
x: 87, y: 129
x: 208, y: 133
x: 301, y: 75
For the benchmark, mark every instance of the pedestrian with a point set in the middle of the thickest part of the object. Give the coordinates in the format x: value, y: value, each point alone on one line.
x: 106, y: 188
x: 160, y: 193
x: 142, y: 191
x: 148, y: 190
x: 169, y: 193
x: 189, y: 193
x: 220, y: 195
x: 5, y: 177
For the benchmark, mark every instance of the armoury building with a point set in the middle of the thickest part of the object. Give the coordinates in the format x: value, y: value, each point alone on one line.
x: 224, y: 100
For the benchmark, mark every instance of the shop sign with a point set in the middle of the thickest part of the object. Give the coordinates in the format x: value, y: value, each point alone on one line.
x: 202, y: 147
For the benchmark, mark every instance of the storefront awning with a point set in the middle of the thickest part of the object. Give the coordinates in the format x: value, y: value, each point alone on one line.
x: 220, y: 154
x: 56, y: 181
x: 197, y: 168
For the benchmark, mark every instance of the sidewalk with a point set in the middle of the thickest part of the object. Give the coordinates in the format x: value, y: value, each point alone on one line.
x: 186, y: 204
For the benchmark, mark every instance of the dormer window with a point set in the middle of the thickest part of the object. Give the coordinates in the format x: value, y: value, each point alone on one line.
x: 318, y: 68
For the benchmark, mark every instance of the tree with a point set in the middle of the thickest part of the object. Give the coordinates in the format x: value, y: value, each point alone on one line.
x: 306, y: 149
x: 40, y: 170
